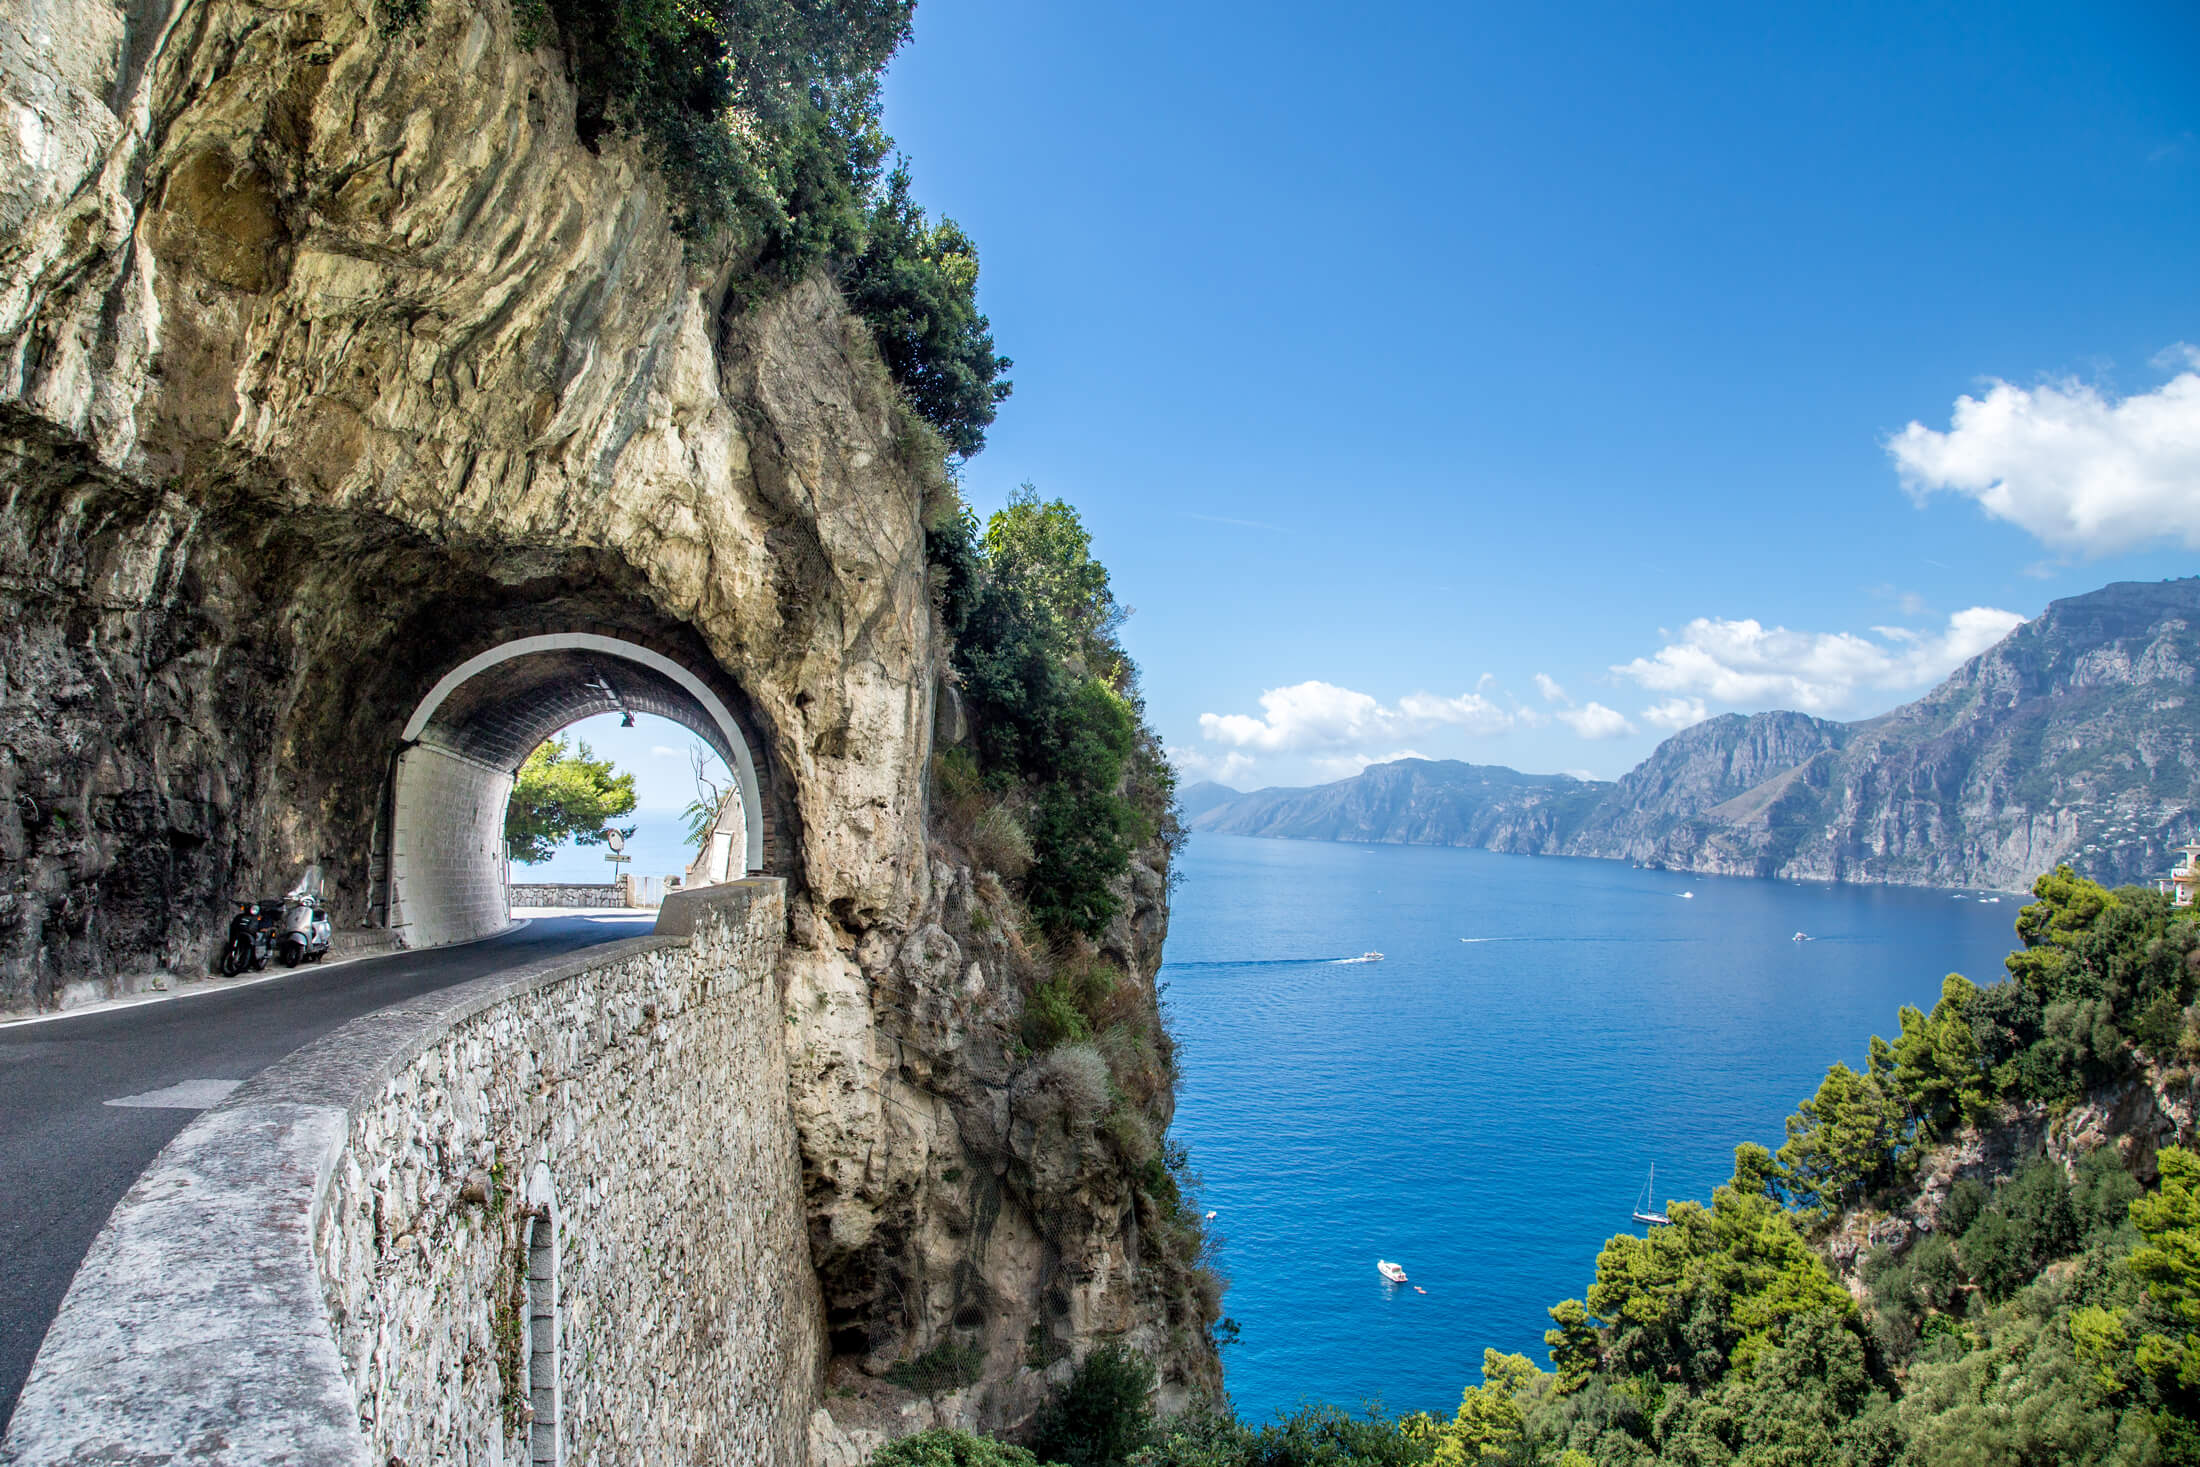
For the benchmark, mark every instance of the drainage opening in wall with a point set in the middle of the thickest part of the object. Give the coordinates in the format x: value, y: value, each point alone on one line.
x: 539, y: 1374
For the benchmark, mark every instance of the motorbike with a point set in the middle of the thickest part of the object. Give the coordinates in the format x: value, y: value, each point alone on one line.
x: 250, y: 941
x: 306, y: 930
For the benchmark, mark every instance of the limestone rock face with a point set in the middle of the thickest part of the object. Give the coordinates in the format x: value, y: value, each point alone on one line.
x: 967, y: 1196
x: 333, y: 358
x: 330, y: 356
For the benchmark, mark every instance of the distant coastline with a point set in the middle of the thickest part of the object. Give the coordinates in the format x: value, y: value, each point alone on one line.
x: 2072, y: 741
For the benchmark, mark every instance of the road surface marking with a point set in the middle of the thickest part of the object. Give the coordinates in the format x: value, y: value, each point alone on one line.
x: 184, y: 1095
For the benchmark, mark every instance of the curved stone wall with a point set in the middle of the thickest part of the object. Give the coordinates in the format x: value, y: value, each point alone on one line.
x: 347, y: 1261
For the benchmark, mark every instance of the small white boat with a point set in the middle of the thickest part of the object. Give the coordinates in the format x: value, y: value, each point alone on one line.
x: 1644, y: 1213
x: 1990, y: 901
x: 1688, y: 896
x: 1371, y: 957
x: 1800, y: 937
x: 1394, y: 1272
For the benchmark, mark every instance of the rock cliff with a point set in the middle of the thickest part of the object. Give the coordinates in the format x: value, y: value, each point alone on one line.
x: 2072, y: 740
x: 332, y: 357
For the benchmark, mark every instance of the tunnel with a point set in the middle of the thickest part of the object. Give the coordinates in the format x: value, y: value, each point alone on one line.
x: 443, y: 868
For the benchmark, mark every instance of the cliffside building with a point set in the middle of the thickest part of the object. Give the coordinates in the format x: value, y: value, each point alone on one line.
x: 2184, y: 880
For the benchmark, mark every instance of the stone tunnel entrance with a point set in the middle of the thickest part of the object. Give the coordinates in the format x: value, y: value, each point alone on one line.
x: 440, y: 870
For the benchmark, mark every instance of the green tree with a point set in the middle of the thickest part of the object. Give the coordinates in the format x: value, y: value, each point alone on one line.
x: 1043, y: 550
x: 1841, y: 1143
x: 2168, y: 1264
x: 1053, y: 702
x: 563, y: 794
x: 917, y: 284
x: 1490, y: 1422
x: 2053, y: 928
x: 1102, y: 1415
x: 1576, y: 1349
x: 1936, y: 1067
x: 1710, y: 1292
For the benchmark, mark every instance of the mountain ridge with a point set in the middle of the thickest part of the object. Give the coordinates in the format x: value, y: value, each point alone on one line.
x: 2071, y: 740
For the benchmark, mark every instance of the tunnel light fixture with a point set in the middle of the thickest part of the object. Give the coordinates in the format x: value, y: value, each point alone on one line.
x: 610, y: 694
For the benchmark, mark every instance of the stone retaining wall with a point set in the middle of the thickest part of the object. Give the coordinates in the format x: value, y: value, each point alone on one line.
x: 333, y: 1266
x: 568, y: 894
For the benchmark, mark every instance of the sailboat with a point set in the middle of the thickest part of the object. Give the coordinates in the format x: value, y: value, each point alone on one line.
x: 1643, y: 1212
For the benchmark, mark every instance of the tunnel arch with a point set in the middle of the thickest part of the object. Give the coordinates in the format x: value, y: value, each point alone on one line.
x: 460, y: 750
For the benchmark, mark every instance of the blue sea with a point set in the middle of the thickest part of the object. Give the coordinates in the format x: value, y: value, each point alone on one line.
x: 1484, y: 1105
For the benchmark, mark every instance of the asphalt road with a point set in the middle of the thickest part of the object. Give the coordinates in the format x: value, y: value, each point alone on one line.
x: 67, y: 1156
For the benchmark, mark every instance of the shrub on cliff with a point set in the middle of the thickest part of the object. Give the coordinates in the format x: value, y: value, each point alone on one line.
x: 917, y: 284
x: 943, y: 1447
x: 1053, y: 702
x: 1102, y: 1415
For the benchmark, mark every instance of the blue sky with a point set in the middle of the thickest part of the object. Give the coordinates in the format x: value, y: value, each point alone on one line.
x: 1397, y: 354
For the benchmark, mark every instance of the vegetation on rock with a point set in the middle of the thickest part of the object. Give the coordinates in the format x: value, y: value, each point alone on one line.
x: 762, y: 118
x: 564, y: 793
x: 1060, y: 764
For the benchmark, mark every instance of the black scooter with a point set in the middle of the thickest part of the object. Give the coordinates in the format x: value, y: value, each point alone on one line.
x: 251, y: 938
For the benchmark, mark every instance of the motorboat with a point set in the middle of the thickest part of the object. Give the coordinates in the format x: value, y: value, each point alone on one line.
x: 1371, y: 957
x: 1392, y: 1271
x: 1800, y: 937
x: 1688, y: 896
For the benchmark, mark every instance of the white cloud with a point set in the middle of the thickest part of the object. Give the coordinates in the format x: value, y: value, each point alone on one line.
x: 1225, y: 769
x: 1549, y: 688
x: 1313, y: 717
x: 2077, y: 469
x: 1745, y: 662
x: 1470, y: 711
x: 1676, y: 713
x: 1309, y: 715
x: 1595, y: 721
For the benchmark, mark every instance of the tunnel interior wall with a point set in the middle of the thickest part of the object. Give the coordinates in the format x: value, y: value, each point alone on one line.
x: 447, y: 848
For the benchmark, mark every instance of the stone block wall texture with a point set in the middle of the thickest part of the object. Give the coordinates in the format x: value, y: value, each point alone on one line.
x: 568, y: 894
x: 356, y: 1218
x: 446, y: 848
x: 653, y: 1092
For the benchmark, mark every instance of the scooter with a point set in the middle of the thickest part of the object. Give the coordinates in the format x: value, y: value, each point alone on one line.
x: 306, y: 931
x: 250, y: 940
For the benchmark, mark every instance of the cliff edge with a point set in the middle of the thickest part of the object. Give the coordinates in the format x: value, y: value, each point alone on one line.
x: 334, y: 357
